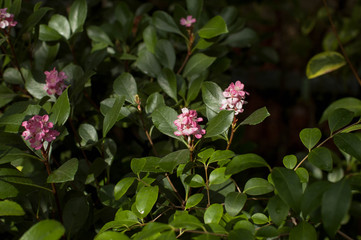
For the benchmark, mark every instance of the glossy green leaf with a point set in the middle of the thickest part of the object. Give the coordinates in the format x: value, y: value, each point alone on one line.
x: 10, y: 208
x: 110, y: 235
x: 145, y: 199
x: 212, y: 96
x: 351, y: 104
x: 154, y: 101
x: 290, y: 161
x: 7, y: 190
x: 164, y: 22
x: 214, y: 27
x: 195, y: 181
x: 194, y: 87
x: 213, y: 214
x: 288, y: 186
x: 152, y: 230
x: 168, y: 82
x: 220, y: 123
x: 245, y: 38
x: 277, y: 209
x: 172, y: 160
x: 47, y: 33
x: 257, y: 186
x: 77, y: 15
x: 197, y: 64
x: 165, y: 53
x: 339, y: 119
x: 34, y: 18
x: 6, y: 95
x: 44, y: 230
x: 218, y: 176
x: 203, y: 44
x: 60, y: 24
x: 65, y: 172
x: 97, y: 35
x: 267, y: 232
x: 185, y: 220
x: 259, y: 218
x: 310, y: 137
x: 35, y: 88
x: 332, y: 211
x: 349, y: 143
x: 234, y: 202
x: 194, y: 7
x: 126, y: 215
x: 75, y: 214
x: 245, y: 161
x: 194, y: 200
x: 113, y: 114
x: 303, y: 231
x: 256, y: 117
x: 321, y: 157
x: 122, y: 187
x: 125, y: 85
x: 246, y: 234
x: 323, y: 63
x: 302, y: 174
x: 311, y: 199
x: 61, y: 109
x: 88, y: 134
x: 163, y: 119
x: 150, y: 38
x: 220, y: 155
x: 137, y: 165
x: 12, y: 76
x: 148, y: 64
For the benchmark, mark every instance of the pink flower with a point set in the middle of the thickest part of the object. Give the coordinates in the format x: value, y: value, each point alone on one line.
x: 6, y: 19
x: 55, y: 82
x: 37, y: 130
x: 187, y: 22
x: 187, y: 124
x: 234, y: 97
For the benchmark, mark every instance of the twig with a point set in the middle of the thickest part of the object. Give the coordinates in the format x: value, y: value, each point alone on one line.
x: 344, y: 235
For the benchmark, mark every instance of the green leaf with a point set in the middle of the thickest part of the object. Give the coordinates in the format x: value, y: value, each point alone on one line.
x: 205, y: 154
x: 234, y: 202
x: 311, y: 199
x: 220, y: 123
x: 290, y: 161
x: 152, y: 231
x: 12, y: 76
x: 145, y: 200
x: 213, y: 214
x: 245, y: 38
x: 197, y: 64
x: 75, y: 214
x: 47, y: 33
x: 259, y: 218
x: 77, y: 15
x: 303, y: 231
x: 65, y: 172
x: 349, y: 143
x: 195, y: 181
x: 172, y: 160
x: 220, y: 155
x: 277, y: 209
x: 332, y: 211
x: 218, y: 176
x: 256, y: 117
x: 7, y: 190
x: 194, y: 7
x: 34, y: 19
x: 6, y: 95
x: 113, y: 114
x: 154, y: 101
x: 97, y: 35
x: 302, y: 174
x: 212, y: 96
x: 60, y: 24
x: 148, y: 64
x: 44, y: 230
x: 150, y: 38
x: 203, y: 44
x: 122, y: 187
x: 109, y: 235
x: 168, y: 82
x: 323, y: 63
x: 125, y: 85
x: 194, y: 87
x: 35, y: 88
x: 164, y: 22
x: 10, y: 208
x: 246, y: 234
x: 351, y: 104
x: 88, y: 134
x: 257, y: 186
x: 185, y: 220
x: 137, y: 165
x: 245, y: 161
x: 61, y: 109
x: 163, y: 119
x: 164, y: 52
x: 214, y: 27
x: 339, y: 119
x: 310, y: 137
x: 194, y: 200
x: 288, y: 186
x: 321, y: 157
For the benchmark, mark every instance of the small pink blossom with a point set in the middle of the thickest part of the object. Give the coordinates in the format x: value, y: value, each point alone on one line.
x: 55, y: 82
x: 187, y: 124
x: 6, y: 19
x: 37, y: 130
x: 187, y: 21
x: 234, y: 97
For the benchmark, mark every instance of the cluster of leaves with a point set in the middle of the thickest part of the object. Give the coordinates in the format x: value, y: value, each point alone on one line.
x: 119, y: 172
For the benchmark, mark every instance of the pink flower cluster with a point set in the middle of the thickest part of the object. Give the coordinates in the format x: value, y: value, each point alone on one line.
x: 38, y: 130
x: 55, y: 82
x: 234, y: 97
x: 6, y: 19
x: 187, y: 21
x: 187, y: 124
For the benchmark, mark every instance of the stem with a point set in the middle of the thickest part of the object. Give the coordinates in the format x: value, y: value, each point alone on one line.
x: 189, y: 50
x: 14, y: 55
x: 207, y: 185
x: 344, y: 235
x: 232, y: 131
x: 175, y: 190
x: 340, y: 43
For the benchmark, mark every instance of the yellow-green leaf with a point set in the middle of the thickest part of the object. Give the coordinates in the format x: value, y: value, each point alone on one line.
x: 323, y: 63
